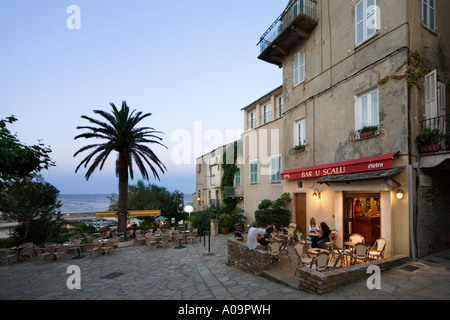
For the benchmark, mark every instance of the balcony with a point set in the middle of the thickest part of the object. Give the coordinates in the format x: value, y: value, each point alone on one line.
x: 296, y: 23
x: 232, y: 192
x: 434, y: 135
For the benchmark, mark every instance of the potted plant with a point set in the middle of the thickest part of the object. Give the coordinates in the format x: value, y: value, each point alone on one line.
x: 367, y: 131
x: 429, y: 140
x: 299, y: 148
x: 225, y: 223
x: 240, y: 221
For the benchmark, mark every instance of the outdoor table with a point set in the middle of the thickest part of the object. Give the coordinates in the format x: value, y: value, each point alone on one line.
x: 316, y: 250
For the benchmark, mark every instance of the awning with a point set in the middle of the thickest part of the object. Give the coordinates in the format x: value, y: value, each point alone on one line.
x: 345, y: 167
x: 136, y: 213
x: 362, y: 176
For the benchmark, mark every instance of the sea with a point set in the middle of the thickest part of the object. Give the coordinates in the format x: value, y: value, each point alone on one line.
x: 87, y: 203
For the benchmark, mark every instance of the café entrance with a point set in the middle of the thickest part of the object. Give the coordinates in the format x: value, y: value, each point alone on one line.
x: 362, y: 214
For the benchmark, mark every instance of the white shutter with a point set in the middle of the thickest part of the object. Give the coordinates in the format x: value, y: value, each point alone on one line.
x: 431, y: 96
x: 359, y: 22
x: 296, y: 70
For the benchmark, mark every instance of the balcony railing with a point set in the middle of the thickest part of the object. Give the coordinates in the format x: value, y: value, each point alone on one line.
x: 232, y: 192
x: 295, y: 9
x: 439, y: 125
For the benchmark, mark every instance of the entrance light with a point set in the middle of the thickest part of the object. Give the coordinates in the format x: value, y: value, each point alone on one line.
x: 316, y: 194
x: 400, y: 194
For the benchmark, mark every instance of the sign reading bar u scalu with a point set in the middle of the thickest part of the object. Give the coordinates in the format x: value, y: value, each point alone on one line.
x: 351, y: 166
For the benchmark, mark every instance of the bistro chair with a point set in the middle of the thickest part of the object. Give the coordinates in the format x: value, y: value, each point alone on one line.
x: 60, y: 252
x: 26, y: 250
x: 284, y: 249
x: 360, y: 252
x: 320, y: 261
x: 150, y: 240
x: 91, y: 248
x: 290, y: 234
x: 302, y: 261
x: 274, y: 251
x: 356, y: 238
x: 377, y: 250
x: 7, y: 255
x: 108, y: 247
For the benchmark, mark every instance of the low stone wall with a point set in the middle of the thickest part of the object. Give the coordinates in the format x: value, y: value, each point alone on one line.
x: 239, y: 256
x: 313, y: 281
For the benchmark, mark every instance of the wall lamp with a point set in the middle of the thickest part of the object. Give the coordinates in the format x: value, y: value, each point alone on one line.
x: 316, y: 194
x: 400, y: 195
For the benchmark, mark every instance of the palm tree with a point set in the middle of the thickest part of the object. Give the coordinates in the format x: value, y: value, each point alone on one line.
x: 121, y: 135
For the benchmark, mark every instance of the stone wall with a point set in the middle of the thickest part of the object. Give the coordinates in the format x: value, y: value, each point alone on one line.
x: 433, y: 218
x: 313, y: 281
x: 239, y: 256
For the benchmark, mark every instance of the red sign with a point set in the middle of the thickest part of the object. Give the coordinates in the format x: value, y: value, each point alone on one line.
x: 351, y: 166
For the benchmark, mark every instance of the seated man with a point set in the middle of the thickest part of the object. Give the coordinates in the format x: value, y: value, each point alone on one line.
x: 256, y: 236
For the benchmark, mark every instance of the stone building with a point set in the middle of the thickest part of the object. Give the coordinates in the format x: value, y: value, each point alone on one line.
x: 349, y: 67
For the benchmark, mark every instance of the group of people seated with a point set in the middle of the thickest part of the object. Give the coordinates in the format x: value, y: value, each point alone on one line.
x: 261, y: 236
x: 320, y: 234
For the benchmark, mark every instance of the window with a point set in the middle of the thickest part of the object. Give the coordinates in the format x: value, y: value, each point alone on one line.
x: 365, y: 20
x: 299, y: 68
x: 252, y: 120
x: 254, y: 172
x: 299, y: 132
x: 266, y: 113
x: 279, y: 107
x: 275, y: 169
x: 367, y: 110
x: 429, y: 14
x: 434, y: 101
x: 237, y: 177
x: 212, y: 176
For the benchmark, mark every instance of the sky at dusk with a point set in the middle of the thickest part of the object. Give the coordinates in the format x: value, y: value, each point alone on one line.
x: 191, y: 63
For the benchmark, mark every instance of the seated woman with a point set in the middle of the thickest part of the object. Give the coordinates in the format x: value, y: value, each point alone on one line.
x: 314, y: 232
x: 325, y: 235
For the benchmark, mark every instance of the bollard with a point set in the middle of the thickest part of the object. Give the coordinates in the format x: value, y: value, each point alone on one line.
x: 209, y: 242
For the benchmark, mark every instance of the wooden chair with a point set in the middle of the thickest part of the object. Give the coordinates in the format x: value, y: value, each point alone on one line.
x: 377, y: 250
x: 302, y: 261
x: 274, y: 251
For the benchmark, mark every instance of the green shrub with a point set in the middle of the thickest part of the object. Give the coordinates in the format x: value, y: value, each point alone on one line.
x: 274, y: 212
x: 226, y: 221
x: 202, y: 220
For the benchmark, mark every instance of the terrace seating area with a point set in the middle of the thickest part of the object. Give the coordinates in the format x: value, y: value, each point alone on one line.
x: 289, y: 258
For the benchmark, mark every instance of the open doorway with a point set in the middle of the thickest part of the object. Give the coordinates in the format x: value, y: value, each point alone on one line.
x: 362, y: 214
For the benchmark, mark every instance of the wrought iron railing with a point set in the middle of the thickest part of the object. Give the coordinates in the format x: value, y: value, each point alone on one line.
x: 436, y: 129
x: 232, y: 192
x: 297, y: 7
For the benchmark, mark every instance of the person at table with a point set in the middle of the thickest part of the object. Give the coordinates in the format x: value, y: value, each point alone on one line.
x: 325, y: 235
x: 314, y: 232
x: 357, y: 208
x: 256, y: 236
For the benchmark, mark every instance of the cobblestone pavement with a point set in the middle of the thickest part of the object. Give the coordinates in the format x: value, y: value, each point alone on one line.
x: 193, y: 273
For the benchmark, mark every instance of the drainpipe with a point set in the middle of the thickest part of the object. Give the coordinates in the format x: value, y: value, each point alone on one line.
x: 412, y: 233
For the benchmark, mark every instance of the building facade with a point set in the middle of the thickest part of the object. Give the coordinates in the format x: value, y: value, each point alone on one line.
x: 349, y: 67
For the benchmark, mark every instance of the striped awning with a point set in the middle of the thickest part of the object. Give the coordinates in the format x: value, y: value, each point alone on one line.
x: 134, y: 214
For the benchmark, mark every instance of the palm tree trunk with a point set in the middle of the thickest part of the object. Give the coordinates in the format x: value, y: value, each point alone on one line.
x: 123, y: 194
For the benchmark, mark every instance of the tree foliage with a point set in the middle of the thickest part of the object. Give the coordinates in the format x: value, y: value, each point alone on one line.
x: 18, y: 160
x: 120, y: 135
x: 153, y: 197
x: 274, y: 212
x: 34, y: 204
